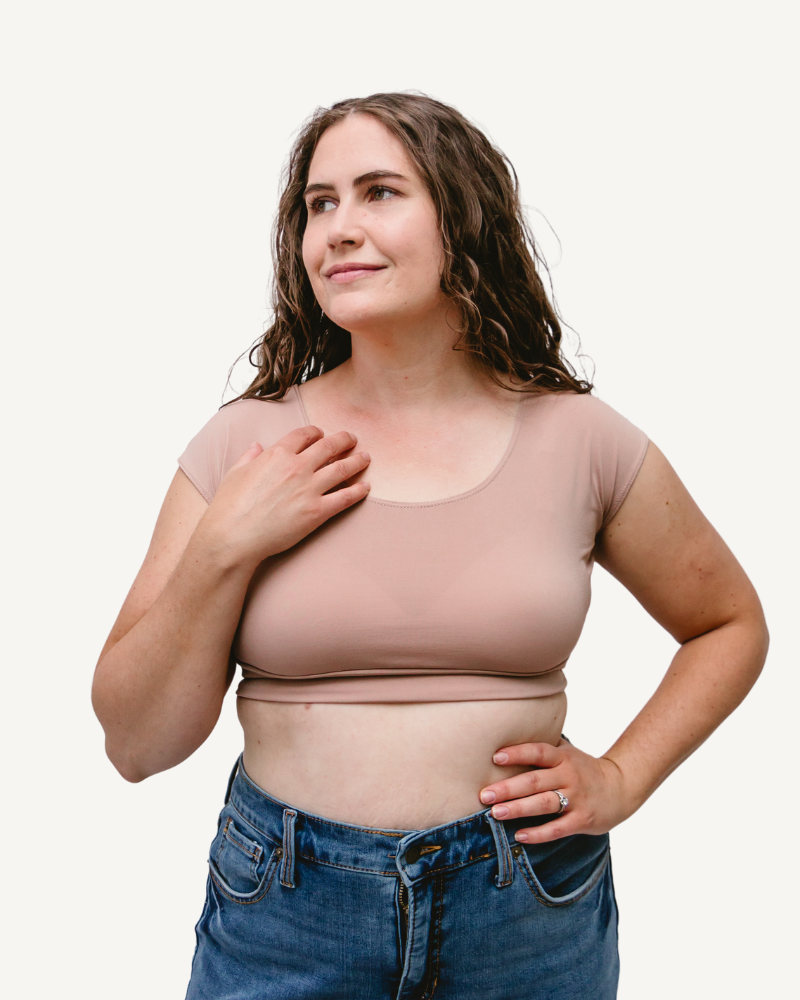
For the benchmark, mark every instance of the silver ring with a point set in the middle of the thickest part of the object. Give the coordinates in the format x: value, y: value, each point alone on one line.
x: 563, y: 800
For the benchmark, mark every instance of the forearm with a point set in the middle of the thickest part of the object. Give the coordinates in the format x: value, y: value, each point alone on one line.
x: 158, y: 691
x: 708, y: 677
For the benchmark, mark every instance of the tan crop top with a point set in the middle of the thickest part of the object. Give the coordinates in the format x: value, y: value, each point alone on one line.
x: 479, y: 596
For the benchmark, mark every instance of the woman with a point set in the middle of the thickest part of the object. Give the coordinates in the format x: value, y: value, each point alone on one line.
x: 393, y: 532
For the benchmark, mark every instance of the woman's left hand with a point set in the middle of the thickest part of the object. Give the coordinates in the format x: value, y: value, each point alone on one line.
x: 594, y: 787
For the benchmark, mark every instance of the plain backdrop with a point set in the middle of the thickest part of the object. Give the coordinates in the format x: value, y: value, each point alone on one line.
x: 143, y: 148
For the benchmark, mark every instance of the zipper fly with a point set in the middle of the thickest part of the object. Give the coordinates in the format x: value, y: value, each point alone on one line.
x: 402, y: 897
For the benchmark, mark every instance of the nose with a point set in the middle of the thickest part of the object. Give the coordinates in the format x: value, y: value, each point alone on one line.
x: 345, y: 228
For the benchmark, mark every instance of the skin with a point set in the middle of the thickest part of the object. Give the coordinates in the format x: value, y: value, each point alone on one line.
x: 435, y: 427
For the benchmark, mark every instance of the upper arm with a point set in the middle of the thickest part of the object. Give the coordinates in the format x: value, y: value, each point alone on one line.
x: 662, y: 549
x: 179, y: 516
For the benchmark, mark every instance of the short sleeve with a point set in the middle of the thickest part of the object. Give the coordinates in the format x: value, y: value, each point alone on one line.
x: 618, y: 448
x: 204, y: 456
x: 230, y: 432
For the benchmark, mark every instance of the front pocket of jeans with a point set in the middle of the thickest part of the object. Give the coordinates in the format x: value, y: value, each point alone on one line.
x: 563, y: 871
x: 241, y: 866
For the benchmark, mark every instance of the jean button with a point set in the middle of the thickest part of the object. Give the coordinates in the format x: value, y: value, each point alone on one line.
x: 413, y: 853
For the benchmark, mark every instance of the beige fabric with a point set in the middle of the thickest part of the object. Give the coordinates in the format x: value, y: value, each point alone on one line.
x: 478, y: 597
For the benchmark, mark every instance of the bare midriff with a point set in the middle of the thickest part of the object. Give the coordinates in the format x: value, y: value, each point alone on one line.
x: 404, y: 766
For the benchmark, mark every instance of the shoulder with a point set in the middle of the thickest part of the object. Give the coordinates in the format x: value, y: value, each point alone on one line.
x: 262, y: 420
x: 592, y: 445
x: 576, y: 414
x: 231, y: 430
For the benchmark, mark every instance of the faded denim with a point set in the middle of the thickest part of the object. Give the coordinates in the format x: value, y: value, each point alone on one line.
x: 299, y: 907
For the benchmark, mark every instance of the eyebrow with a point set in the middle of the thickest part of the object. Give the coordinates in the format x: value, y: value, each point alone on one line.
x: 373, y: 175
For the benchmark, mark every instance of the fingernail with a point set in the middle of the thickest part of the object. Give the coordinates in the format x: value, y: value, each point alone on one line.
x: 521, y: 836
x: 500, y: 758
x: 365, y: 455
x: 500, y: 812
x: 488, y: 797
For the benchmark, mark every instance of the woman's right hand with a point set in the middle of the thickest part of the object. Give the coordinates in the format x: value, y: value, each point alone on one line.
x: 270, y: 499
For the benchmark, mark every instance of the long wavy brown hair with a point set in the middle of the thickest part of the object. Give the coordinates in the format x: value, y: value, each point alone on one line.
x: 491, y: 263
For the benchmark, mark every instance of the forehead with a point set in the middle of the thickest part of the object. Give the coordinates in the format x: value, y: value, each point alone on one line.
x: 356, y: 146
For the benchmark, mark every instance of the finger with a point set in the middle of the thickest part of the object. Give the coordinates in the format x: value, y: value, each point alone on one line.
x: 538, y: 754
x: 334, y: 503
x: 527, y: 783
x: 562, y: 827
x: 339, y: 472
x: 328, y: 448
x: 252, y: 452
x: 530, y: 805
x: 299, y: 439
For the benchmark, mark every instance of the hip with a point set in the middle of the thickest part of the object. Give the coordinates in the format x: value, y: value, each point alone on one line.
x: 299, y: 905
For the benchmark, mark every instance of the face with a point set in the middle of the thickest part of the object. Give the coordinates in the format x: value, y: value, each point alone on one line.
x: 372, y: 246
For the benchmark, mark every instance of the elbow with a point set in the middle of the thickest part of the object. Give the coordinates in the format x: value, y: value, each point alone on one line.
x: 130, y: 774
x: 128, y: 765
x: 123, y: 749
x: 130, y: 769
x: 759, y: 632
x: 764, y: 638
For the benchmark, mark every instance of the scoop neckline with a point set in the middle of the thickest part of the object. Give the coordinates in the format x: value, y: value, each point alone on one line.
x: 458, y: 496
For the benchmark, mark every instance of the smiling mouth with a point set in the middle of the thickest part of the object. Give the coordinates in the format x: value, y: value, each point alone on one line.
x: 341, y: 273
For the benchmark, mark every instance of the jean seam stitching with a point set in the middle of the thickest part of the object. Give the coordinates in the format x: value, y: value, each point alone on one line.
x: 351, y: 868
x: 433, y: 970
x: 243, y: 847
x: 393, y: 873
x: 264, y: 834
x: 574, y: 899
x: 287, y: 867
x: 271, y: 869
x: 412, y: 929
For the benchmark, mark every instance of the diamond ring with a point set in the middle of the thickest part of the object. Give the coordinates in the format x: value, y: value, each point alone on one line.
x: 563, y: 800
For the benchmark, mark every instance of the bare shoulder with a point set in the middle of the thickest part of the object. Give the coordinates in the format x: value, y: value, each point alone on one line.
x: 181, y: 511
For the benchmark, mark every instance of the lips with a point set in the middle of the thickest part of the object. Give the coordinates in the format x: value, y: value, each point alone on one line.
x: 352, y: 271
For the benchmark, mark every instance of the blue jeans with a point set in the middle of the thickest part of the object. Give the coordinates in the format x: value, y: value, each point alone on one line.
x: 299, y: 906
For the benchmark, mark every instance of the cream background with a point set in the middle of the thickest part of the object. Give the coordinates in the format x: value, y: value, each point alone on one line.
x: 139, y: 179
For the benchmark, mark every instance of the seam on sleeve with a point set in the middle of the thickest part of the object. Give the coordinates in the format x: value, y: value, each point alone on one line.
x: 620, y: 497
x: 195, y: 482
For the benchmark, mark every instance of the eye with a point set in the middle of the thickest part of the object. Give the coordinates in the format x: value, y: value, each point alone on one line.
x: 381, y: 193
x: 319, y: 205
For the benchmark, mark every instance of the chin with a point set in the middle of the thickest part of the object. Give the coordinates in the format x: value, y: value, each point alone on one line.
x: 355, y: 318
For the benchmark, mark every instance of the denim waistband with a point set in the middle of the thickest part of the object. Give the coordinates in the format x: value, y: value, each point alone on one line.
x: 413, y: 854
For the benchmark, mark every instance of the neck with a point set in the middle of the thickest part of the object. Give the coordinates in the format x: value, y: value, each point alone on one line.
x: 412, y: 369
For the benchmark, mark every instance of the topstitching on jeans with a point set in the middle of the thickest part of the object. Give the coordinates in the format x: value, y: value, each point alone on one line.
x: 266, y: 882
x: 377, y: 871
x: 231, y: 835
x: 264, y: 834
x: 545, y: 900
x: 437, y: 908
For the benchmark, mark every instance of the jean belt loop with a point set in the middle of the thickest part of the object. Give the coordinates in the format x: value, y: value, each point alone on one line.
x: 287, y: 865
x: 505, y: 871
x: 230, y: 780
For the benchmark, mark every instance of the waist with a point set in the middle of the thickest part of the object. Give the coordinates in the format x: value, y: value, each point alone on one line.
x: 401, y: 687
x: 360, y: 848
x: 409, y: 765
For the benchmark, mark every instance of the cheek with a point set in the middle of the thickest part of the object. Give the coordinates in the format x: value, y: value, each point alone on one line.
x: 313, y: 257
x: 419, y: 248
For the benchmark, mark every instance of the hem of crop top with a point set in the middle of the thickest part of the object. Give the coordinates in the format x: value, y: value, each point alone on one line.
x: 404, y: 688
